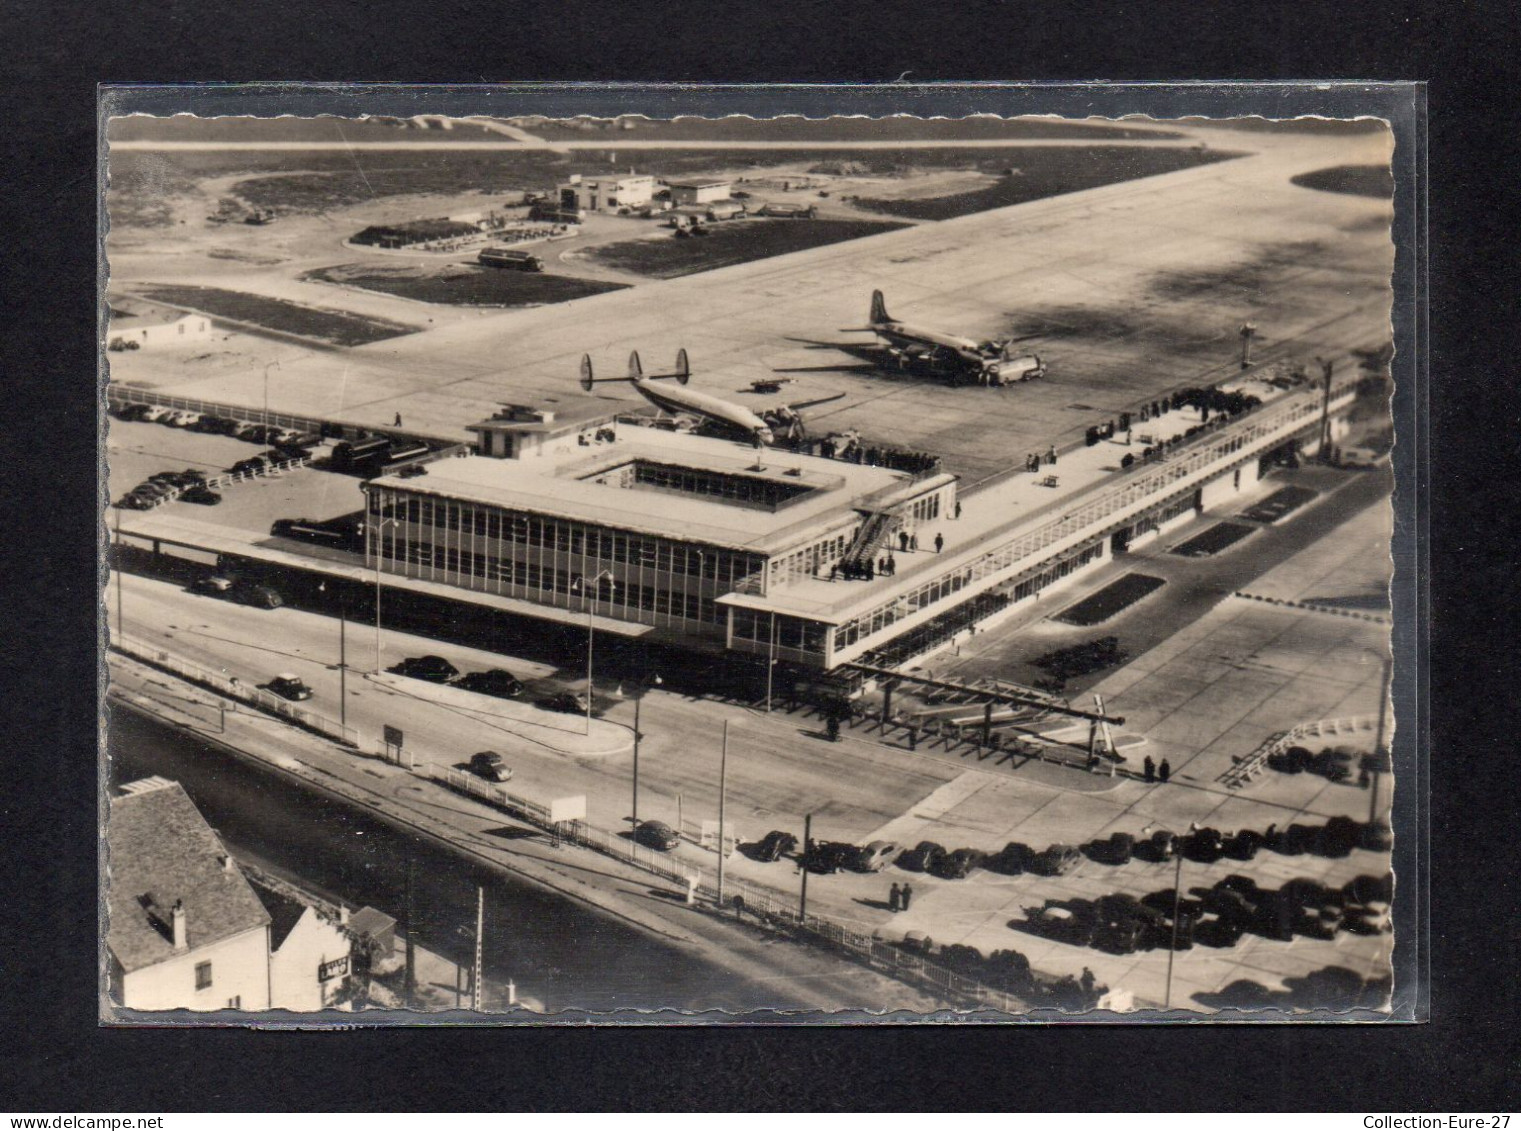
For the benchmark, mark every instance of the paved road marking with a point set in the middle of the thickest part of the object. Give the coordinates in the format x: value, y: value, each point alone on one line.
x: 905, y: 829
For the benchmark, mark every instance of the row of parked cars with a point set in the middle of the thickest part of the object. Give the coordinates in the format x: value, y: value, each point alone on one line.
x: 188, y: 485
x: 217, y: 425
x: 497, y: 682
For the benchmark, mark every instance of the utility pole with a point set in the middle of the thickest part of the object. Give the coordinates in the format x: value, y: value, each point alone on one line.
x: 343, y: 667
x: 410, y: 983
x: 120, y: 631
x: 802, y: 902
x: 639, y: 699
x: 770, y: 663
x: 723, y: 775
x: 476, y: 981
x: 1177, y: 902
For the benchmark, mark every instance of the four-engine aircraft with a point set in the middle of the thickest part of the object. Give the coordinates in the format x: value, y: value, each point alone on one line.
x: 960, y: 360
x: 677, y: 399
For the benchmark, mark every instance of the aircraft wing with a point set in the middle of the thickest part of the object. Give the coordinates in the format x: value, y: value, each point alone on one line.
x: 798, y: 406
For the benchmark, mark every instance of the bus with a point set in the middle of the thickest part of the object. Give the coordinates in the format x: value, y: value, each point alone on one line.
x: 505, y: 257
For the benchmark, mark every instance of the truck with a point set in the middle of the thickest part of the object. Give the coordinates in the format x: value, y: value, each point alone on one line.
x: 726, y: 210
x: 506, y: 257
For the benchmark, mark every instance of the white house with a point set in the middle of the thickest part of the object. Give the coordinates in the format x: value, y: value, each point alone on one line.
x: 605, y: 194
x: 136, y: 325
x: 186, y: 930
x: 310, y: 955
x: 703, y: 190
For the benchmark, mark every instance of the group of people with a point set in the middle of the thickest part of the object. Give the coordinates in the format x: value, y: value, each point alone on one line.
x: 898, y: 898
x: 908, y: 542
x: 1155, y: 773
x: 1034, y: 460
x: 858, y: 571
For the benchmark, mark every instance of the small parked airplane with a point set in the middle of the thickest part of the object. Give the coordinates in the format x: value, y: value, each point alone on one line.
x: 916, y: 347
x: 678, y: 400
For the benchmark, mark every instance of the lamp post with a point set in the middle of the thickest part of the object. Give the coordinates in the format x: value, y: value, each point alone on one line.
x: 638, y: 700
x: 1177, y: 903
x: 270, y: 365
x: 802, y: 901
x: 379, y: 539
x: 723, y: 781
x: 343, y: 667
x: 588, y: 587
x: 1380, y: 751
x: 771, y: 662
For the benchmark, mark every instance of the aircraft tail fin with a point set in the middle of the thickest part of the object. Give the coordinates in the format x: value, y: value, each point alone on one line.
x: 587, y: 380
x: 635, y: 369
x: 878, y: 308
x: 683, y: 372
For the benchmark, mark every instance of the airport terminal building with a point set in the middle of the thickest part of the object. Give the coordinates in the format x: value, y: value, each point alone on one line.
x: 715, y: 544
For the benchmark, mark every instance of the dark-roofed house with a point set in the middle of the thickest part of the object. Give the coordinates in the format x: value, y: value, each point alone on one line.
x: 186, y: 930
x: 310, y: 959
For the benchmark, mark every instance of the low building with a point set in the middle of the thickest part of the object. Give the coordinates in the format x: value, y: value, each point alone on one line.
x: 186, y: 929
x: 311, y: 949
x: 141, y: 325
x: 605, y: 194
x: 702, y: 190
x: 639, y: 526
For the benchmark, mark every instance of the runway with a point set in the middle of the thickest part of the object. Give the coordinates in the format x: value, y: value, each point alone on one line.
x: 1126, y: 291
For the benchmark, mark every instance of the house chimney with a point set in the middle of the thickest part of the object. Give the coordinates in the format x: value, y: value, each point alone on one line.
x: 177, y: 922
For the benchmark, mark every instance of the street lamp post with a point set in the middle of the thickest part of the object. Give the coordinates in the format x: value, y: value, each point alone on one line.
x: 638, y: 701
x: 588, y: 586
x: 802, y: 901
x: 1177, y: 903
x: 267, y: 368
x: 770, y: 663
x: 379, y: 538
x: 723, y: 782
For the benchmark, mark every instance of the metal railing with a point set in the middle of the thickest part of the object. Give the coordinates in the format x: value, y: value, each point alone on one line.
x: 1254, y: 764
x: 118, y: 396
x: 232, y: 688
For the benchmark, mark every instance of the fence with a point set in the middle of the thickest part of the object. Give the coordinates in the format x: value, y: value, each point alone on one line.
x: 1254, y: 764
x: 232, y: 688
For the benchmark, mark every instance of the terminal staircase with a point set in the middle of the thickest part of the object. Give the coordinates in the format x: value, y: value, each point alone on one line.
x: 869, y: 539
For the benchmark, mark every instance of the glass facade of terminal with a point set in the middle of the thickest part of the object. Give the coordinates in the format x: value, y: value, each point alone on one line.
x: 655, y: 581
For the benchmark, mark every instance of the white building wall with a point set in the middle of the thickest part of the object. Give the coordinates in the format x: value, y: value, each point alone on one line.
x: 239, y: 972
x: 294, y: 968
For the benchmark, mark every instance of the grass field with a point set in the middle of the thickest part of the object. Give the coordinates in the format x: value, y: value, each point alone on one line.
x: 1219, y: 537
x: 1043, y: 172
x: 324, y: 181
x: 1111, y: 599
x: 330, y: 326
x: 1357, y: 180
x: 461, y: 285
x: 736, y: 128
x: 737, y: 241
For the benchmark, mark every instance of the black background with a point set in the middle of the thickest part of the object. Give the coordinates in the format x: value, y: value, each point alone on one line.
x: 54, y: 1055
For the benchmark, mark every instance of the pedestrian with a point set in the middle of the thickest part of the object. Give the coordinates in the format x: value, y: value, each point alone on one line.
x: 1164, y: 771
x: 907, y: 896
x: 1051, y: 455
x: 834, y: 571
x: 903, y: 541
x: 1150, y: 769
x: 958, y: 508
x: 939, y: 542
x: 398, y: 420
x: 913, y: 542
x: 894, y: 899
x: 1086, y: 981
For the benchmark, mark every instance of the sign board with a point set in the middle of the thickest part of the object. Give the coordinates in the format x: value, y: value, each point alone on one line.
x: 392, y: 736
x: 337, y: 968
x: 568, y: 809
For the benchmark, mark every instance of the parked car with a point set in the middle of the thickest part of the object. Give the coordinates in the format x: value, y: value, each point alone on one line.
x: 491, y: 766
x: 201, y: 495
x: 831, y: 856
x: 154, y: 413
x: 212, y: 586
x: 1371, y: 918
x: 566, y: 702
x: 924, y: 857
x: 183, y: 419
x: 257, y: 595
x: 288, y: 686
x: 1011, y: 860
x: 960, y: 864
x: 1070, y: 922
x: 1057, y: 860
x: 154, y: 489
x: 190, y: 477
x: 133, y: 502
x: 434, y: 669
x: 877, y: 855
x: 657, y: 835
x: 132, y: 412
x: 499, y: 682
x: 251, y: 465
x: 774, y: 845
